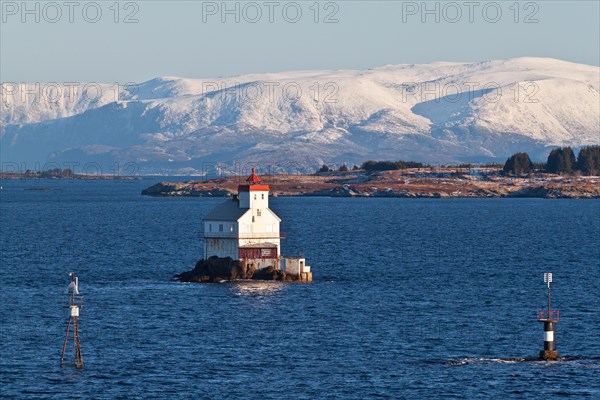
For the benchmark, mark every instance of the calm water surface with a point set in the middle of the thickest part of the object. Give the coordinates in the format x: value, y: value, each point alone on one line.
x: 412, y: 299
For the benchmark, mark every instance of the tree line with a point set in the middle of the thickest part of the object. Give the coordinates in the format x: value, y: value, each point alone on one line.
x: 560, y: 161
x: 51, y: 173
x: 371, y: 166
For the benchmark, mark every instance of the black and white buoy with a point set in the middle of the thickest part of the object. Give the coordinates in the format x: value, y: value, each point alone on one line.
x: 549, y: 317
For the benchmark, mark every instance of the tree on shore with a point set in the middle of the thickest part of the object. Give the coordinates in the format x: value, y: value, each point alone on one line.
x: 371, y: 165
x: 324, y: 168
x: 518, y: 164
x: 588, y: 160
x: 561, y: 161
x: 344, y: 168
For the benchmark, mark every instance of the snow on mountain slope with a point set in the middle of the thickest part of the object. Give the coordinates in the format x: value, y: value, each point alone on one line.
x: 24, y: 103
x: 437, y: 112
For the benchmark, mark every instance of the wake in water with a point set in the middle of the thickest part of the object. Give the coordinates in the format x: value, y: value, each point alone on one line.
x: 511, y: 360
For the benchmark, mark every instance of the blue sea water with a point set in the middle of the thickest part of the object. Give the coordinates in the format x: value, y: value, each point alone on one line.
x: 412, y: 298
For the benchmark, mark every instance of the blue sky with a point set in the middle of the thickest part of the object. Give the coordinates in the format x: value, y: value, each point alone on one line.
x: 198, y: 39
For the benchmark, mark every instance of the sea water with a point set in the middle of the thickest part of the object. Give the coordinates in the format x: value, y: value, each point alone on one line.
x: 411, y: 299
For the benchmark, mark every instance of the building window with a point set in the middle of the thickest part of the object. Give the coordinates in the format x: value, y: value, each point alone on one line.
x: 258, y: 213
x: 220, y: 227
x: 254, y: 197
x: 263, y: 196
x: 231, y: 228
x: 210, y: 227
x: 253, y: 218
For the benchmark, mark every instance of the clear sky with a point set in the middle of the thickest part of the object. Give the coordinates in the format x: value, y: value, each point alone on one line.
x: 195, y: 39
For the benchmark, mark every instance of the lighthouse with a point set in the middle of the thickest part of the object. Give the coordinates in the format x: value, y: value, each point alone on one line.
x: 245, y: 228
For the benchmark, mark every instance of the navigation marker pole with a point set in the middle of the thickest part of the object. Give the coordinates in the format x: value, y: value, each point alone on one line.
x: 549, y: 318
x: 75, y: 303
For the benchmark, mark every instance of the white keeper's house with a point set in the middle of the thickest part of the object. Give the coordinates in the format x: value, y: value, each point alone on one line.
x: 245, y: 228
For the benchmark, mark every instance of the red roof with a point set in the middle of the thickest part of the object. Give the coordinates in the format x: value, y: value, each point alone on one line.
x: 254, y: 183
x: 252, y: 179
x: 249, y: 188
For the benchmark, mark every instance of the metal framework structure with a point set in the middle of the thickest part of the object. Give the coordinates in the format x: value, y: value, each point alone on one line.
x: 75, y: 303
x: 549, y: 314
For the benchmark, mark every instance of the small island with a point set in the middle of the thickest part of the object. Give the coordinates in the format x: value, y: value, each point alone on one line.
x: 60, y: 174
x: 563, y: 176
x: 410, y: 183
x: 224, y: 269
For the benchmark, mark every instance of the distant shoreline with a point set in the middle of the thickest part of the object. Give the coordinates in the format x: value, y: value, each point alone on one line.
x: 407, y: 183
x: 38, y: 176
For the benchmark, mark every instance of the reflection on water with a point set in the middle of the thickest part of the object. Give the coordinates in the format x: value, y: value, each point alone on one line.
x: 257, y: 289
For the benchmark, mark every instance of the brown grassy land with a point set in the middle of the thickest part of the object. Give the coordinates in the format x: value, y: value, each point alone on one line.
x: 422, y: 182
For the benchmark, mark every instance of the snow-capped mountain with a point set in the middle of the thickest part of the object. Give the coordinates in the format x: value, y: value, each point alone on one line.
x: 439, y: 112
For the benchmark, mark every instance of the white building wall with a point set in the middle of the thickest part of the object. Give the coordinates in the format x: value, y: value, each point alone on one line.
x: 258, y: 225
x: 254, y: 199
x: 220, y: 248
x: 295, y: 266
x: 220, y: 239
x: 220, y: 228
x: 263, y: 228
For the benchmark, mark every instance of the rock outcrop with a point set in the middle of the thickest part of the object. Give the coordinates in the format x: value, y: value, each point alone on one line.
x: 217, y: 269
x: 184, y: 189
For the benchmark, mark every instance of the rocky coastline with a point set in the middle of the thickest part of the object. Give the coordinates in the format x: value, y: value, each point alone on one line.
x: 411, y: 183
x: 217, y: 270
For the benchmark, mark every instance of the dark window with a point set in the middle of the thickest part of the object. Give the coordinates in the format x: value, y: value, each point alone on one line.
x: 220, y: 227
x: 258, y: 213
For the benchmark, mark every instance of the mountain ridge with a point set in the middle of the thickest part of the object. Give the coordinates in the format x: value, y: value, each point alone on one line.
x: 438, y: 112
